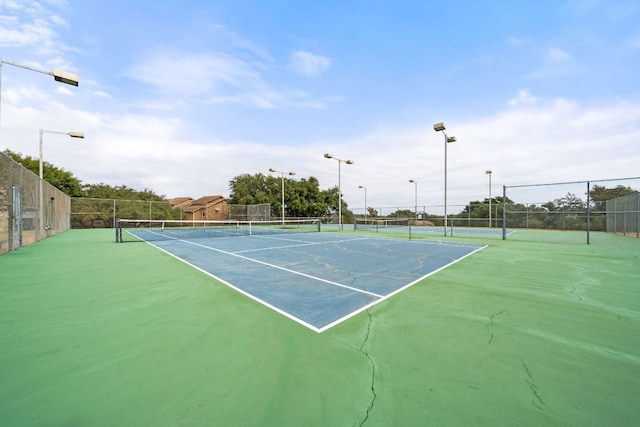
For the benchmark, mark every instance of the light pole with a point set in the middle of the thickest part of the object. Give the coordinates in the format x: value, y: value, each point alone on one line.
x: 58, y: 75
x: 340, y: 161
x: 415, y: 212
x: 282, y: 174
x: 365, y: 202
x: 488, y: 172
x: 440, y: 127
x: 42, y: 131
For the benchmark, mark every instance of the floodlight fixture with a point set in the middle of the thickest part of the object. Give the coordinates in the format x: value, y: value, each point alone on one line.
x: 282, y: 189
x: 340, y: 161
x: 415, y: 183
x: 72, y: 134
x: 365, y: 201
x: 64, y: 77
x: 58, y: 75
x: 439, y: 127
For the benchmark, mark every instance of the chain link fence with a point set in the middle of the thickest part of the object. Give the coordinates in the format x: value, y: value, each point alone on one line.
x: 30, y: 209
x: 260, y: 212
x: 623, y: 215
x: 102, y: 213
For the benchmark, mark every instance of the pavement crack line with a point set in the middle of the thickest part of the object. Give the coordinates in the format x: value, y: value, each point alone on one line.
x: 533, y: 386
x: 490, y: 325
x: 373, y: 371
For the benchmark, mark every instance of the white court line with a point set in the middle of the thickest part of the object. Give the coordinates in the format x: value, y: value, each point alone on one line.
x: 300, y: 244
x: 408, y: 285
x: 240, y: 290
x: 379, y: 298
x: 285, y: 269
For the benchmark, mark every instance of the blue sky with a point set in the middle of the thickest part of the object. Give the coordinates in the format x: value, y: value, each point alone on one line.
x: 180, y: 97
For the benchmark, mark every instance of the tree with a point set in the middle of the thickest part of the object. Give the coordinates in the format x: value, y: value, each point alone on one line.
x: 599, y: 194
x: 402, y: 213
x: 303, y: 198
x: 59, y: 178
x: 105, y: 191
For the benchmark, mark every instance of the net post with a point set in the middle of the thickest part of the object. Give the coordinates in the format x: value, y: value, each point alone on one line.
x: 118, y: 232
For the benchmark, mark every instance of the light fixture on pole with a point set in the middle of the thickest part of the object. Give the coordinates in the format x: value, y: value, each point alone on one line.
x: 365, y: 202
x: 440, y: 127
x: 71, y: 134
x: 282, y: 174
x: 488, y: 172
x: 415, y: 212
x: 58, y: 75
x: 340, y: 161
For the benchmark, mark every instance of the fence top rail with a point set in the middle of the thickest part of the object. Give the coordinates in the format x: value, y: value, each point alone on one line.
x: 120, y: 200
x: 572, y: 182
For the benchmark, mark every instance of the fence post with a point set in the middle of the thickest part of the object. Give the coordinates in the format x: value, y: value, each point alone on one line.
x: 588, y: 213
x: 504, y: 212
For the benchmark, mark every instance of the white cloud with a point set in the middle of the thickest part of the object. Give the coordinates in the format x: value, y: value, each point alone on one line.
x: 308, y: 64
x: 217, y: 78
x: 546, y: 141
x: 554, y: 62
x: 517, y: 41
x: 633, y: 42
x: 188, y: 73
x: 31, y: 25
x: 524, y: 98
x: 558, y: 55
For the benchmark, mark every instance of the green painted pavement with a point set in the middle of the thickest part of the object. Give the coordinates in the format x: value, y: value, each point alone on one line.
x: 94, y: 333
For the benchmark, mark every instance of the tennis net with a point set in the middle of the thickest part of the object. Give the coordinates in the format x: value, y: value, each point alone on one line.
x: 128, y: 230
x: 376, y: 224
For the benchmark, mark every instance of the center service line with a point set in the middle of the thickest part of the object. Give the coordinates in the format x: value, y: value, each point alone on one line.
x: 284, y: 269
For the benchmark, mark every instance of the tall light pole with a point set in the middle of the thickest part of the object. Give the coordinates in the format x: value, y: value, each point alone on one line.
x: 58, y: 75
x: 415, y: 212
x: 365, y: 202
x: 282, y: 174
x: 72, y: 134
x: 340, y: 161
x: 440, y: 127
x: 488, y: 172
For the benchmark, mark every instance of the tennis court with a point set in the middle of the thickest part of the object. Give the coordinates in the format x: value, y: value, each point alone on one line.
x: 530, y: 333
x: 316, y: 279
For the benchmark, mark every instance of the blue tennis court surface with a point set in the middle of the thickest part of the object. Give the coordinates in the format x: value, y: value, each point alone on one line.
x: 317, y: 279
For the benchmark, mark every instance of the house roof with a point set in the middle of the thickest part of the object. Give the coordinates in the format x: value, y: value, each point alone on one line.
x: 208, y: 200
x: 179, y: 201
x: 202, y: 203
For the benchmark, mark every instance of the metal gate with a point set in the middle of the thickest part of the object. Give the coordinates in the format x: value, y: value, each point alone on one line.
x: 16, y: 215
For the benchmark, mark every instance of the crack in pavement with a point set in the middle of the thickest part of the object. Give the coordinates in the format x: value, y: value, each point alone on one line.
x: 373, y: 371
x: 532, y: 385
x: 490, y: 325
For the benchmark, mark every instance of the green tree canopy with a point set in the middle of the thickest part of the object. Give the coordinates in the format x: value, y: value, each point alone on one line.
x: 59, y: 178
x: 600, y: 194
x: 302, y: 198
x: 105, y: 191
